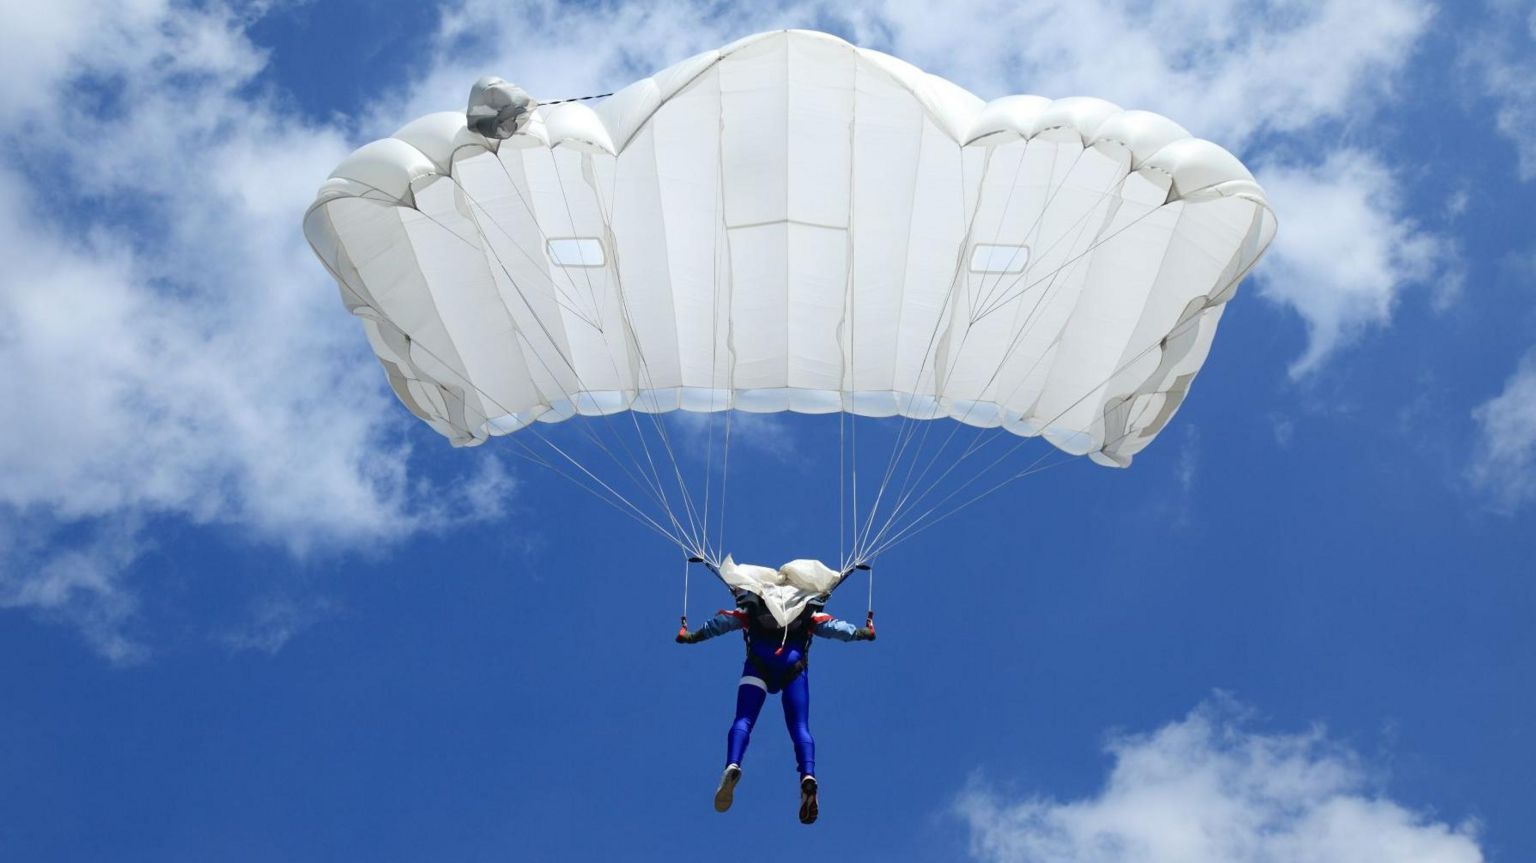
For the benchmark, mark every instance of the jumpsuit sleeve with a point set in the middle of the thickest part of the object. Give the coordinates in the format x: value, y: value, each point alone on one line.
x: 720, y: 624
x: 827, y: 626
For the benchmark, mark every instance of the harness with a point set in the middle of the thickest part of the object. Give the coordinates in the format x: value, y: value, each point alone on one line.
x: 761, y: 625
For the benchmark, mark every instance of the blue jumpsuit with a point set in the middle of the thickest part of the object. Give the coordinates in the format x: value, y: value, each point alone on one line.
x: 768, y: 670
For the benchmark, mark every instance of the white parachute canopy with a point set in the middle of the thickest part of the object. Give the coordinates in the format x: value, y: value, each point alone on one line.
x: 786, y: 590
x: 792, y: 223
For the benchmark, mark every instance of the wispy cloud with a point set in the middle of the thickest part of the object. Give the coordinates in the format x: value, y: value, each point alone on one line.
x: 1504, y: 459
x: 1211, y: 789
x: 1189, y: 459
x: 763, y: 434
x: 79, y: 585
x: 1348, y: 250
x: 275, y: 620
x: 1503, y: 56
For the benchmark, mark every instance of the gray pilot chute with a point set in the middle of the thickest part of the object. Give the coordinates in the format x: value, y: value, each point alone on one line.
x: 498, y: 109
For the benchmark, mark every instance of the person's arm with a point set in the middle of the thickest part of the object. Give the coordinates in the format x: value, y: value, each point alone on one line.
x: 720, y: 624
x: 827, y: 626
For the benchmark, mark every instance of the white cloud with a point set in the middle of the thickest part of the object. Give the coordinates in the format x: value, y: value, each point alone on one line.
x: 1224, y: 69
x: 1207, y: 789
x: 80, y: 585
x: 275, y: 620
x: 1504, y: 56
x: 764, y: 434
x: 1189, y: 459
x: 172, y: 348
x: 1504, y: 460
x: 1284, y: 429
x: 1346, y: 250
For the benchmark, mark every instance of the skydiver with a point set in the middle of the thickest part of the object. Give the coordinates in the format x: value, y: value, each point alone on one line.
x: 776, y: 662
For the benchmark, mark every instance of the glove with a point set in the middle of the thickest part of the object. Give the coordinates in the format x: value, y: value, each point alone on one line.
x: 686, y: 637
x: 864, y: 633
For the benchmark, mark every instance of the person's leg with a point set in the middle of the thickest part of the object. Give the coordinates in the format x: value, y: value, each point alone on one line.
x: 750, y: 696
x: 797, y: 718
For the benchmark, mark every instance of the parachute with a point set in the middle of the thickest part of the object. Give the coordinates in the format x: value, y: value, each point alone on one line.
x: 791, y: 223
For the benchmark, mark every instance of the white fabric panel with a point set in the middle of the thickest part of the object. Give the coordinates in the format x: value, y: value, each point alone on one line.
x: 888, y: 136
x: 817, y: 131
x: 473, y: 317
x: 687, y: 151
x: 817, y: 279
x: 759, y: 305
x: 754, y: 123
x: 496, y: 195
x: 939, y: 219
x: 788, y: 223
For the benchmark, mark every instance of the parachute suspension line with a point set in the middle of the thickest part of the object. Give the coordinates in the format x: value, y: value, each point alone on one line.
x: 908, y: 427
x: 981, y: 439
x: 657, y: 492
x: 917, y: 456
x: 675, y: 538
x: 696, y: 521
x: 916, y: 528
x: 722, y: 232
x: 849, y: 358
x: 1002, y: 220
x: 633, y: 511
x: 655, y: 484
x: 918, y: 525
x: 841, y: 503
x: 714, y: 375
x: 656, y: 421
x: 853, y: 332
x: 907, y: 419
x: 725, y: 475
x: 938, y: 394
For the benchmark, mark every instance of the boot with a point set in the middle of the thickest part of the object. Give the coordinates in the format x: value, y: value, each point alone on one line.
x: 808, y: 808
x: 727, y: 790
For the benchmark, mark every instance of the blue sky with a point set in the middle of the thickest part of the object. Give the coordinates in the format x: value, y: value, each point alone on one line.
x: 250, y: 610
